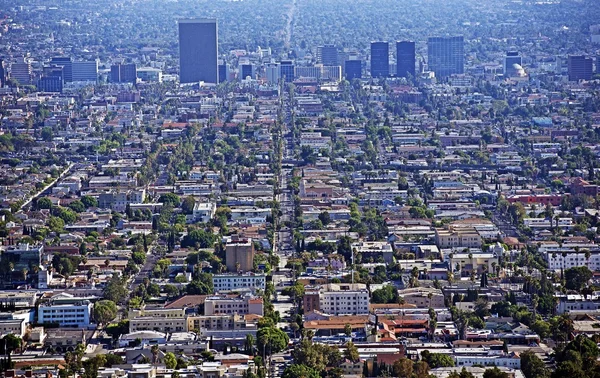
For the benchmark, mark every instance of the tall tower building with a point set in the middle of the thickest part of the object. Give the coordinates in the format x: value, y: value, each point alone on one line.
x: 21, y: 71
x: 580, y: 68
x: 85, y: 71
x: 123, y: 73
x: 327, y: 55
x: 380, y: 59
x: 198, y: 48
x: 446, y: 55
x: 239, y: 256
x: 353, y: 69
x: 511, y: 59
x: 405, y: 59
x: 286, y: 70
x: 2, y: 73
x: 67, y: 64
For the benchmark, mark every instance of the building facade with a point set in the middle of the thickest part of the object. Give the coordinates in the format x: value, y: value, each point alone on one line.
x: 380, y: 59
x: 198, y: 49
x: 239, y: 256
x: 405, y: 59
x: 580, y: 68
x: 227, y: 282
x: 446, y: 56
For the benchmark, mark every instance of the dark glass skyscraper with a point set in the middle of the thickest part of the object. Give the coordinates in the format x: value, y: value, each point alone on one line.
x: 198, y: 46
x: 446, y: 56
x: 327, y: 55
x: 380, y: 59
x: 580, y: 68
x: 405, y: 59
x: 353, y: 69
x: 286, y: 70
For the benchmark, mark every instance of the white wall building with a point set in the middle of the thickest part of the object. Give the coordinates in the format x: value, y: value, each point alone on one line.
x: 66, y: 310
x: 238, y: 281
x: 344, y: 299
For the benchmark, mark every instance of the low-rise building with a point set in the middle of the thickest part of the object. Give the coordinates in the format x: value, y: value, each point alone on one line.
x: 226, y: 282
x: 66, y: 310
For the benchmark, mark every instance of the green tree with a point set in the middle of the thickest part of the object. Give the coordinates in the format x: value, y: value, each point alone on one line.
x: 89, y: 201
x: 170, y: 199
x: 403, y: 368
x: 104, y: 311
x: 44, y: 203
x: 436, y: 360
x: 576, y: 278
x: 170, y: 360
x: 77, y: 206
x: 494, y: 373
x: 351, y: 352
x: 115, y: 290
x: 532, y: 366
x: 188, y: 205
x: 55, y: 224
x: 271, y: 340
x: 300, y: 371
x: 138, y: 257
x: 198, y: 238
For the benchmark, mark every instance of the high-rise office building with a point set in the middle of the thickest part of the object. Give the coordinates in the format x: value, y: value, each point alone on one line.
x: 327, y: 55
x: 246, y: 69
x: 67, y: 64
x: 405, y: 59
x: 21, y: 71
x: 446, y: 56
x: 52, y: 79
x: 353, y: 69
x: 123, y: 73
x: 512, y: 64
x: 85, y: 71
x: 380, y: 59
x: 273, y: 73
x: 580, y: 68
x: 223, y: 72
x: 198, y: 49
x: 2, y: 73
x: 286, y: 70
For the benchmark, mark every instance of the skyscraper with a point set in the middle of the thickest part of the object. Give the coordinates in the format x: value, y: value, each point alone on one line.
x: 198, y: 47
x: 2, y: 73
x: 580, y: 68
x: 123, y: 73
x: 21, y: 71
x: 405, y: 59
x: 380, y: 59
x: 446, y: 55
x: 327, y: 55
x: 85, y: 71
x: 286, y: 70
x: 512, y: 58
x: 353, y: 69
x: 67, y: 64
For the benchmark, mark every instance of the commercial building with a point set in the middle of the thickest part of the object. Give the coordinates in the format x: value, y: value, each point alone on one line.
x: 353, y: 69
x: 67, y: 64
x: 457, y: 238
x: 380, y: 59
x: 580, y: 68
x: 198, y: 49
x: 286, y: 70
x: 66, y: 310
x: 52, y: 80
x: 327, y: 55
x: 405, y: 59
x: 123, y: 73
x: 446, y: 56
x: 241, y: 305
x: 149, y: 74
x: 337, y: 299
x: 24, y: 256
x: 85, y: 71
x: 239, y: 256
x: 273, y: 73
x: 21, y: 71
x: 158, y: 324
x: 225, y: 282
x: 512, y: 64
x: 2, y: 73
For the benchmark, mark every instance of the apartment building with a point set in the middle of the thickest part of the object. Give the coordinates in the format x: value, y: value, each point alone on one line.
x: 338, y: 299
x: 225, y: 282
x: 458, y: 238
x: 66, y: 310
x: 158, y: 324
x: 243, y: 304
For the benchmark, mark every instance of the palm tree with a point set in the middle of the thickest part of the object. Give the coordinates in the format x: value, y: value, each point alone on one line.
x: 154, y: 351
x: 429, y: 296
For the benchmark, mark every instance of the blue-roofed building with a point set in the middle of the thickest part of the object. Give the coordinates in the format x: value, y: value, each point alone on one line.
x: 542, y: 121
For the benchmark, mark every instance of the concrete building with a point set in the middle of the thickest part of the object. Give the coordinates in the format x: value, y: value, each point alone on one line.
x: 85, y: 71
x: 474, y: 261
x: 337, y: 299
x: 66, y: 310
x: 327, y: 55
x: 24, y: 256
x: 380, y: 59
x: 446, y: 56
x: 287, y: 71
x: 352, y: 69
x: 203, y: 212
x: 241, y: 305
x: 226, y: 282
x: 158, y: 324
x: 405, y: 59
x: 149, y: 74
x: 239, y: 255
x: 123, y: 73
x: 458, y: 238
x: 512, y: 64
x: 198, y: 50
x: 21, y: 71
x: 420, y: 297
x: 580, y: 67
